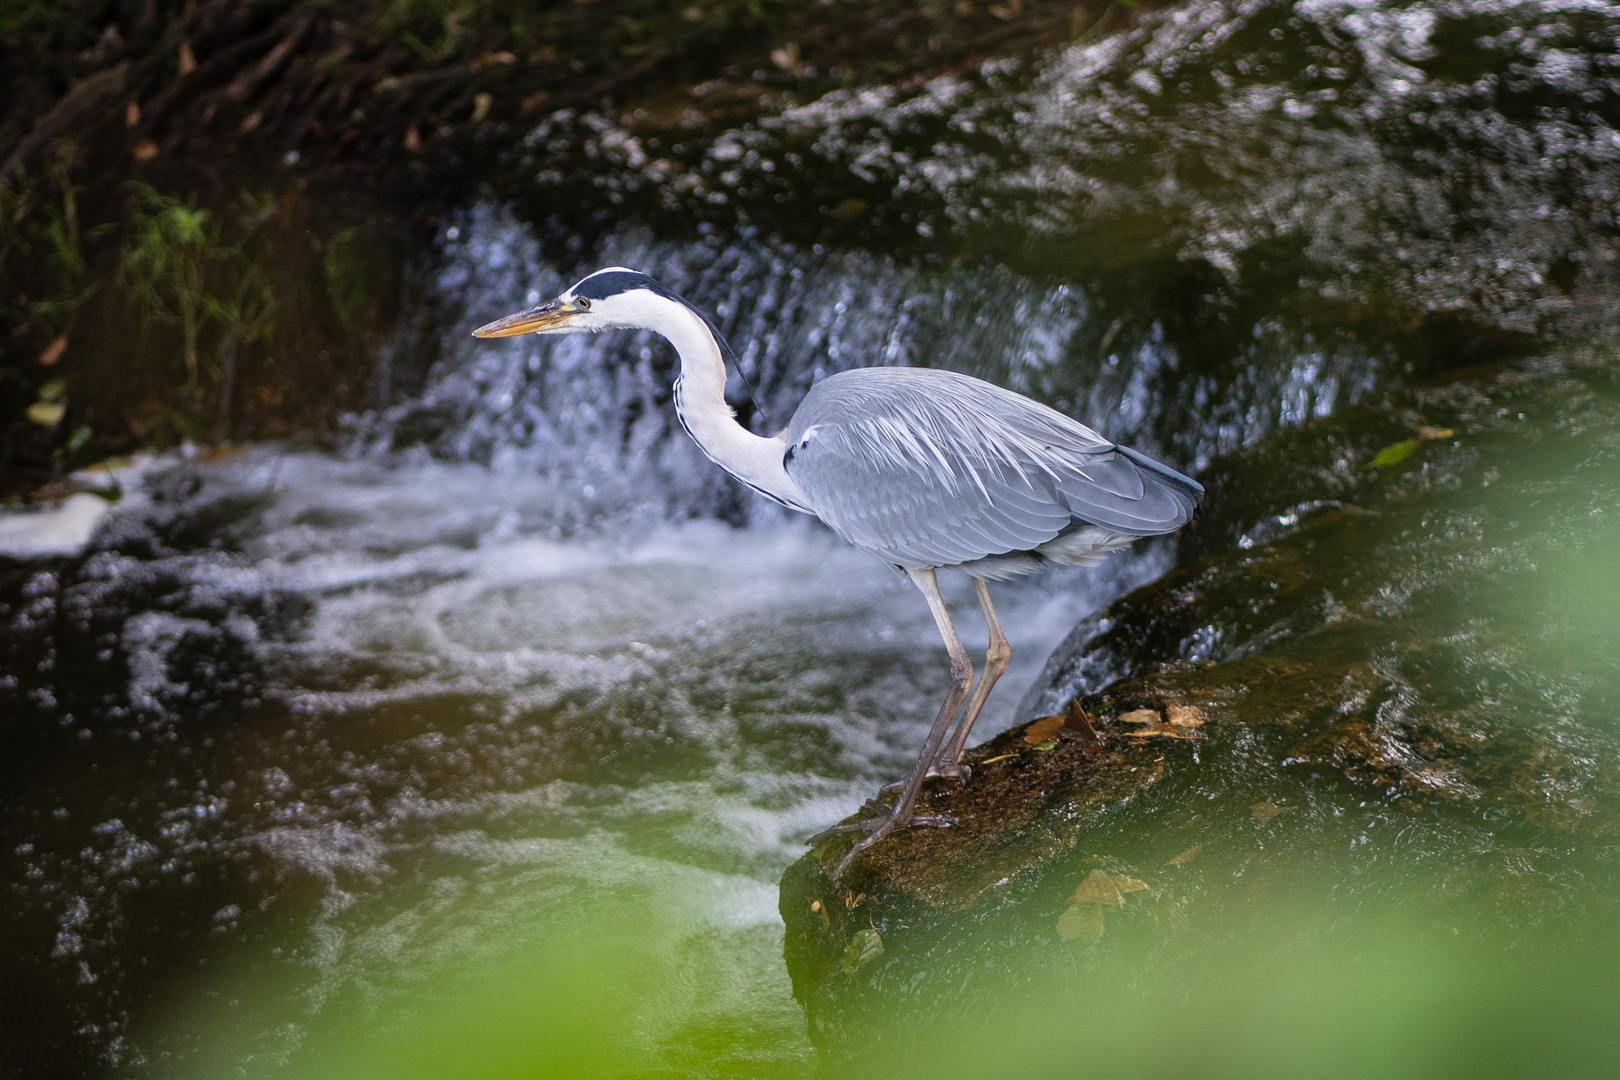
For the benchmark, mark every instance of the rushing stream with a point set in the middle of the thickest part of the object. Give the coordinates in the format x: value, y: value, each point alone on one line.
x: 479, y: 747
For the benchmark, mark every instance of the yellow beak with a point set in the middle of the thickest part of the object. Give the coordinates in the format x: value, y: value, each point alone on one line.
x: 550, y: 316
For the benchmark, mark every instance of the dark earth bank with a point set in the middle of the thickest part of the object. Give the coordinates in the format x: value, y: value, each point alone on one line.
x: 207, y: 209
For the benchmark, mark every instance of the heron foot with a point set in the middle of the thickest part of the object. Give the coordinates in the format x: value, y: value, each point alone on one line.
x: 960, y: 771
x: 871, y: 824
x: 879, y: 827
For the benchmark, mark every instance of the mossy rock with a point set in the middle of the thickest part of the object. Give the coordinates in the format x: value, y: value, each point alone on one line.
x: 1399, y: 670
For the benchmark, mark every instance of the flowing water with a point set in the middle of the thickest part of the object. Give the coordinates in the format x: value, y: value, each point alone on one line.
x: 479, y: 747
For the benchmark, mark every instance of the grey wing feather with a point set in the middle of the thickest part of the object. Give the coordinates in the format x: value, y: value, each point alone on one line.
x: 932, y: 468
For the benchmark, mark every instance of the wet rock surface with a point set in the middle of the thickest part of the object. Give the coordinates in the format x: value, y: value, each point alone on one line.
x: 1034, y: 791
x: 1385, y: 636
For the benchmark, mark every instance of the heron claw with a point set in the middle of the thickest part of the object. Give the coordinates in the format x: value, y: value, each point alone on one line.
x: 872, y: 824
x: 877, y: 828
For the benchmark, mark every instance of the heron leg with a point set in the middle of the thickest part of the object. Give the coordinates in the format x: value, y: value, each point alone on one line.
x: 995, y: 662
x: 961, y: 680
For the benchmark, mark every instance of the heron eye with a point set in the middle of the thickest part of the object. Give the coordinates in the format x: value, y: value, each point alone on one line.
x: 584, y: 303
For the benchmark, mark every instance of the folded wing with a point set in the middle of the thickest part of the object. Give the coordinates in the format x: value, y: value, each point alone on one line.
x: 932, y: 468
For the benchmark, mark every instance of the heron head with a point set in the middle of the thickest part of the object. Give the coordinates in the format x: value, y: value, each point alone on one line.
x: 605, y: 300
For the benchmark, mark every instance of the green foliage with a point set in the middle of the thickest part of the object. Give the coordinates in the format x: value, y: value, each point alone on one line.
x: 246, y: 313
x: 79, y: 449
x: 25, y: 23
x: 244, y: 307
x: 416, y: 22
x: 163, y: 263
x: 40, y: 216
x: 63, y: 243
x: 180, y: 271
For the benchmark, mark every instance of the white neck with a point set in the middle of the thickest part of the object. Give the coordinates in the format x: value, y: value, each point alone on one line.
x: 700, y: 398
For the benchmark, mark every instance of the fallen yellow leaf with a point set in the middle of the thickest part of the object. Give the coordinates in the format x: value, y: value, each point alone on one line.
x: 1186, y: 715
x: 1082, y: 921
x: 1265, y: 811
x: 1180, y: 728
x: 1098, y: 888
x: 1044, y: 729
x: 46, y: 413
x: 53, y: 351
x: 850, y: 209
x: 1165, y: 731
x: 1186, y: 856
x: 1079, y: 724
x: 1393, y: 454
x: 1074, y: 724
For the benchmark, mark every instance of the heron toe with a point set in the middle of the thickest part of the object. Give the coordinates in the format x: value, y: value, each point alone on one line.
x: 879, y: 827
x: 959, y: 771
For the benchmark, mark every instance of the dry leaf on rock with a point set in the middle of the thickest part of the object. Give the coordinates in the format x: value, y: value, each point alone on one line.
x: 1045, y: 729
x: 1186, y: 715
x: 1074, y: 724
x: 1186, y: 856
x: 1079, y: 724
x: 1183, y: 719
x: 1166, y: 731
x: 1081, y: 921
x: 1098, y: 888
x: 1265, y: 811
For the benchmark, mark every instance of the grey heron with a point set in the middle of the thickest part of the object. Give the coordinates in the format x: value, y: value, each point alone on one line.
x: 926, y: 469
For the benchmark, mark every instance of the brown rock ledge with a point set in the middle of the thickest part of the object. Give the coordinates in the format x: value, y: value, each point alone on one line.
x: 1034, y: 789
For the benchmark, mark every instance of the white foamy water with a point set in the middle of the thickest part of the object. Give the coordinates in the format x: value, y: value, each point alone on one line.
x: 464, y: 726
